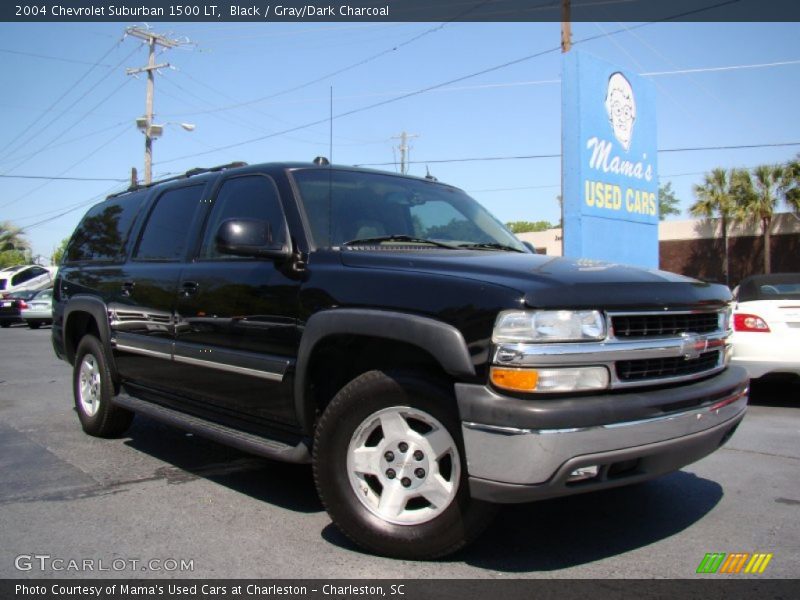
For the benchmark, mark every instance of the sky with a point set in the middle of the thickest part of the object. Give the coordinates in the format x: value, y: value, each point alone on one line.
x: 250, y: 89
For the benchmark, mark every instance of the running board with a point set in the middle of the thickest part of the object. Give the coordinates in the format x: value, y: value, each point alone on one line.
x: 240, y: 440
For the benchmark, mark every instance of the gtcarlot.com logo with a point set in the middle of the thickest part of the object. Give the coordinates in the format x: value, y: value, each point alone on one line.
x: 734, y: 563
x: 46, y: 562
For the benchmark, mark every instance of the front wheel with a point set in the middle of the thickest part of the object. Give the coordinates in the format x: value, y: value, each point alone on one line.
x: 390, y: 468
x: 93, y: 388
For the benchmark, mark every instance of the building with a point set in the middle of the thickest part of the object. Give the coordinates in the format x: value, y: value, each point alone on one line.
x: 695, y: 247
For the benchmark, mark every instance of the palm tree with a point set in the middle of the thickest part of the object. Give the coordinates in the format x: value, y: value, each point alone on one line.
x: 790, y: 186
x: 715, y: 198
x: 11, y: 237
x: 758, y: 197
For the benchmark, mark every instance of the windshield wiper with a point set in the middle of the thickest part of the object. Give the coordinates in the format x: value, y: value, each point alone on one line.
x: 396, y: 238
x: 491, y: 246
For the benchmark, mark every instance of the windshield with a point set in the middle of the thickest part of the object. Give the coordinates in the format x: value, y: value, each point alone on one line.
x: 344, y: 207
x: 778, y: 286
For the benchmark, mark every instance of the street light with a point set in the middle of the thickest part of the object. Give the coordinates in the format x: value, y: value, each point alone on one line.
x: 152, y: 131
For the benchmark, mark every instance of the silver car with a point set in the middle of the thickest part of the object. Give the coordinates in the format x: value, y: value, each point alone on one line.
x: 38, y: 310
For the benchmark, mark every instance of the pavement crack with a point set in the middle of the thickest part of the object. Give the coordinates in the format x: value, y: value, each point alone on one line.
x: 761, y: 453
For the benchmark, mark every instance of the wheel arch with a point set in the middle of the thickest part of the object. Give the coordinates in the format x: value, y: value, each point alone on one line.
x: 82, y: 315
x: 436, y: 345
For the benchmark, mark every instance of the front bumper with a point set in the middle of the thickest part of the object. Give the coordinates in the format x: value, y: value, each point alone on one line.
x: 521, y: 450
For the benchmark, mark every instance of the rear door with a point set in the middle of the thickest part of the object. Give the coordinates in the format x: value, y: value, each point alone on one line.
x: 142, y: 303
x: 236, y: 330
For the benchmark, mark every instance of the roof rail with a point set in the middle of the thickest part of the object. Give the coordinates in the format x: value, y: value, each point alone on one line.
x: 186, y: 175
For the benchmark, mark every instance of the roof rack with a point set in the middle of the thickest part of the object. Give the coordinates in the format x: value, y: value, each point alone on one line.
x: 186, y: 175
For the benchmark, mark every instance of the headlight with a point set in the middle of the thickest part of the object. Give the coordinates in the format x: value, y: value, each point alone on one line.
x: 549, y: 326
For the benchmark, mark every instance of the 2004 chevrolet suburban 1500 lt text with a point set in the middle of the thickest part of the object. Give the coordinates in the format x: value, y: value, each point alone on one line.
x: 393, y: 333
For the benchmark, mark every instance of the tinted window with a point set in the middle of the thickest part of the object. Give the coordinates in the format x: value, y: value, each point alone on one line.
x: 250, y: 197
x: 103, y: 231
x: 777, y: 286
x: 27, y: 275
x: 343, y: 206
x: 167, y: 229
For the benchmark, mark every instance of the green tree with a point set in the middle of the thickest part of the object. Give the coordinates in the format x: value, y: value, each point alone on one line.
x: 668, y: 203
x: 12, y: 237
x: 716, y: 197
x: 525, y: 226
x: 758, y: 196
x: 12, y: 258
x: 58, y: 252
x: 790, y: 186
x: 14, y: 248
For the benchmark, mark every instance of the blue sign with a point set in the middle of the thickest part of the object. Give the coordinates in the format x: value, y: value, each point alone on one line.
x: 610, y: 178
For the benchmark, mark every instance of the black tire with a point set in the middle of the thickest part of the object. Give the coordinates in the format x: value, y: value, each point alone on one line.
x: 354, y: 498
x: 93, y: 389
x: 34, y: 324
x: 5, y: 324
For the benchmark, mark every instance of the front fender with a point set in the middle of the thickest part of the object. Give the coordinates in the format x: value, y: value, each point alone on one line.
x: 444, y: 342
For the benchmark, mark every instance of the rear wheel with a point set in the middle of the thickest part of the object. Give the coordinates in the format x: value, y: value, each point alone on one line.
x: 34, y: 324
x: 390, y: 468
x: 5, y: 324
x: 93, y: 388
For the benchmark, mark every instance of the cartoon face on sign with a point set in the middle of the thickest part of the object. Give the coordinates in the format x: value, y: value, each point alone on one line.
x: 621, y: 108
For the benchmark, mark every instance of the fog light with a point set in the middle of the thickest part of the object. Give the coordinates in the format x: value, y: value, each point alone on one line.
x: 583, y: 473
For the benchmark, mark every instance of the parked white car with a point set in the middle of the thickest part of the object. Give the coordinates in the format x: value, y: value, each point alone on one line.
x: 766, y: 324
x: 38, y: 310
x: 24, y: 277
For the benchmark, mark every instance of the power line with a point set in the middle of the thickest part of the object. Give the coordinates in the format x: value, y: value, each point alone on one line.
x: 479, y: 159
x: 85, y: 158
x: 76, y: 139
x: 60, y: 178
x: 77, y: 122
x: 59, y: 99
x: 58, y: 58
x: 508, y: 84
x: 541, y: 156
x: 442, y: 84
x: 71, y: 127
x: 73, y: 209
x: 343, y: 69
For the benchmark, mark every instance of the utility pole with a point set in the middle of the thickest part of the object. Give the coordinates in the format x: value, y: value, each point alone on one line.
x: 404, y: 149
x: 566, y: 26
x: 146, y: 124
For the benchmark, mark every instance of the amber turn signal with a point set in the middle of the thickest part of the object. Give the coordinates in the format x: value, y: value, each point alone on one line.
x: 518, y: 380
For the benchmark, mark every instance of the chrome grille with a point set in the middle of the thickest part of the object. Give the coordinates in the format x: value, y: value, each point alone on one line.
x: 667, y: 324
x: 658, y: 368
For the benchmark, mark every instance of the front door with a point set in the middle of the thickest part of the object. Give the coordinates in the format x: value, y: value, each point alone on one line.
x: 236, y: 333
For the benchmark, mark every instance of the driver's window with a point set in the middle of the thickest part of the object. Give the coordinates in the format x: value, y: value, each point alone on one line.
x: 246, y: 197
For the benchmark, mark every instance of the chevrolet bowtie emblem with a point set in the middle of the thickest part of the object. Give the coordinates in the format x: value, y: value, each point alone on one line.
x: 692, y: 345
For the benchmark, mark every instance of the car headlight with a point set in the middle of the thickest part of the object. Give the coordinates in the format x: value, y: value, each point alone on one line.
x: 549, y: 326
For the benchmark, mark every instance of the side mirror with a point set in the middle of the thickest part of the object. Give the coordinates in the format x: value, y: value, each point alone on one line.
x: 249, y: 237
x: 530, y: 247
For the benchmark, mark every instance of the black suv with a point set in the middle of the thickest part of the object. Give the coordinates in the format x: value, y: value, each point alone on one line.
x: 392, y: 332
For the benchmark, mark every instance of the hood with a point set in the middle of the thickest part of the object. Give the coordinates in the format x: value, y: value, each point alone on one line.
x: 550, y: 282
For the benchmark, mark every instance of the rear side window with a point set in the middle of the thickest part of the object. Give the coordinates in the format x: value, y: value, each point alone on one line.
x: 27, y: 275
x: 167, y: 229
x: 249, y: 197
x: 102, y: 233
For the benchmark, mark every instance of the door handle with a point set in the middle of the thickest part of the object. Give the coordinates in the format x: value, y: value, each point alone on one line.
x: 127, y: 288
x: 190, y: 287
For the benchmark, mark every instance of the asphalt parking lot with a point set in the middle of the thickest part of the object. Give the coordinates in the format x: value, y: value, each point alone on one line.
x: 163, y: 495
